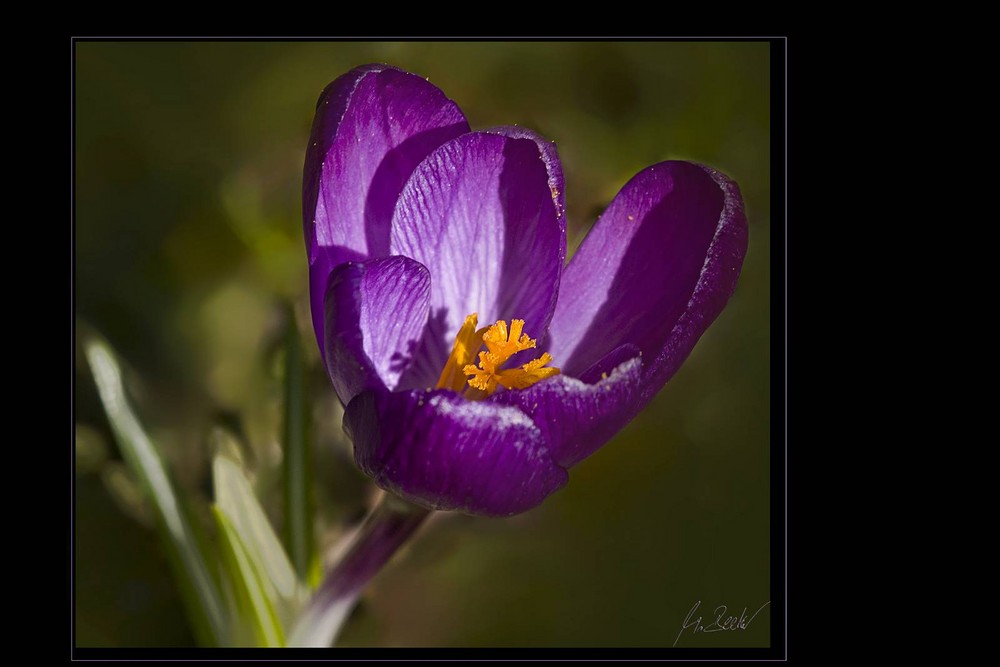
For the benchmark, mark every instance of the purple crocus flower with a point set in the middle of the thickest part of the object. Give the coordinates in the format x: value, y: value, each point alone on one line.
x: 418, y: 230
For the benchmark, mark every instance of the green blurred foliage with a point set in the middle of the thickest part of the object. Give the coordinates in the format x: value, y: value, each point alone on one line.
x: 188, y: 241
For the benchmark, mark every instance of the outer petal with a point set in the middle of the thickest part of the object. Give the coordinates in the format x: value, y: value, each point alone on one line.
x: 375, y: 313
x: 654, y: 272
x: 484, y: 213
x: 549, y: 155
x: 443, y: 452
x: 373, y: 126
x: 577, y: 417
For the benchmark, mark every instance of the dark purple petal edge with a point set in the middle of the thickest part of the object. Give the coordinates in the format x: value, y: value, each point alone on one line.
x: 440, y: 451
x: 715, y: 285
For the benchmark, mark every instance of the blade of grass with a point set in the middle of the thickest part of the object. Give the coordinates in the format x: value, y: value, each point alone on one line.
x: 234, y: 496
x: 297, y: 466
x: 249, y: 585
x: 200, y: 592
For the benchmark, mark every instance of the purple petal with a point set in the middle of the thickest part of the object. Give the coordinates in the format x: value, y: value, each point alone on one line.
x: 715, y: 285
x: 375, y: 314
x: 547, y: 151
x: 484, y: 213
x: 373, y: 126
x: 654, y: 272
x: 319, y: 277
x: 577, y: 417
x: 443, y: 452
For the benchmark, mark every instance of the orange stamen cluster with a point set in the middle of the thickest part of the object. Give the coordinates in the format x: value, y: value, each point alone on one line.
x: 501, y: 345
x: 467, y: 343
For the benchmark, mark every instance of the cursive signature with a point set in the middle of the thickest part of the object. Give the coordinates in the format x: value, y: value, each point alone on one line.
x: 719, y: 622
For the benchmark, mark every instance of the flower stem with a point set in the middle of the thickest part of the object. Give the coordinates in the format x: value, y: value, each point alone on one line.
x: 386, y: 528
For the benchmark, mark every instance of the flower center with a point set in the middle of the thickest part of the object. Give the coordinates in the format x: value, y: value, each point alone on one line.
x: 501, y: 345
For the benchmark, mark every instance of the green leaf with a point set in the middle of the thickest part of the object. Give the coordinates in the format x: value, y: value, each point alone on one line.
x: 297, y: 461
x: 253, y: 604
x: 198, y: 588
x: 235, y: 499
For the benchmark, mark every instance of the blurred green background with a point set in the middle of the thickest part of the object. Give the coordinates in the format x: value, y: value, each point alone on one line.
x: 189, y: 240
